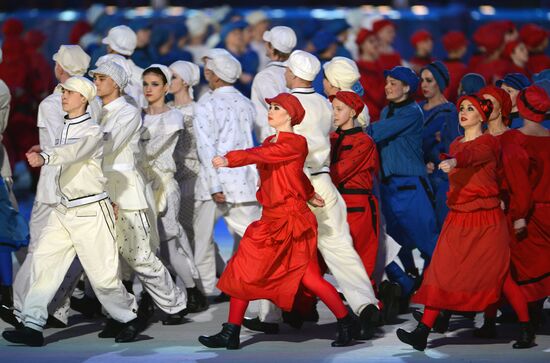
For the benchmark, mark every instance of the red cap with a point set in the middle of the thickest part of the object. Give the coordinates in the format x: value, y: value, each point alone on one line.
x: 483, y: 106
x: 12, y: 26
x: 533, y: 35
x: 502, y: 97
x: 362, y: 36
x: 351, y: 99
x: 381, y: 23
x: 34, y: 38
x: 79, y: 29
x: 420, y: 36
x: 454, y: 40
x: 533, y: 103
x: 509, y: 48
x: 507, y: 25
x: 291, y: 104
x: 490, y: 36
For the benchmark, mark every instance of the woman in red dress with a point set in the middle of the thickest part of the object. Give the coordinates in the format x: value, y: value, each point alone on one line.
x: 471, y: 259
x: 353, y: 166
x: 278, y: 254
x: 531, y: 255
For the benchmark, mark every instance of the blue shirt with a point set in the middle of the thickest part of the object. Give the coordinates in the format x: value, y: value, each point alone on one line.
x: 442, y: 120
x: 398, y: 136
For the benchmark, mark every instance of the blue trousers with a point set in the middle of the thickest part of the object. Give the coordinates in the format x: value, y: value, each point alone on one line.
x: 6, y: 269
x: 440, y: 185
x: 410, y: 216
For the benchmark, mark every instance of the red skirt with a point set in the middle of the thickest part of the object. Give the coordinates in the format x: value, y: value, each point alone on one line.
x: 531, y: 255
x: 273, y: 256
x: 469, y: 264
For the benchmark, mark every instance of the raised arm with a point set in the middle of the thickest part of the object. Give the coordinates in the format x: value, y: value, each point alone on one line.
x: 78, y: 151
x: 268, y: 153
x: 122, y: 131
x: 395, y: 125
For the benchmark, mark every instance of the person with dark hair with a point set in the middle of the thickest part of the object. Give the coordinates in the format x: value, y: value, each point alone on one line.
x: 470, y: 265
x: 513, y: 83
x: 385, y: 30
x: 278, y: 253
x: 423, y: 44
x: 515, y: 52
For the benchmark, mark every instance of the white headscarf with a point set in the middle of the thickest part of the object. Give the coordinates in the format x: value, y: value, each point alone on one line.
x: 188, y: 72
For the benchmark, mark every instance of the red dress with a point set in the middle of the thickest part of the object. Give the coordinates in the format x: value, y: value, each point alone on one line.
x: 275, y: 251
x: 354, y: 163
x: 457, y: 70
x: 531, y: 255
x: 373, y: 81
x: 472, y: 256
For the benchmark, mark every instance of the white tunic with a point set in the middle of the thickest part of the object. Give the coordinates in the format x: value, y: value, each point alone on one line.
x: 185, y: 154
x: 121, y: 123
x: 223, y: 122
x: 315, y: 127
x: 267, y: 83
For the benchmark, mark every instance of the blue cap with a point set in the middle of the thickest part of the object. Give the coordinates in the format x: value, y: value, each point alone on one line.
x: 322, y: 40
x: 405, y: 75
x: 542, y: 75
x: 229, y: 27
x: 515, y: 80
x: 336, y: 26
x: 440, y: 73
x: 140, y: 23
x: 544, y: 84
x: 471, y: 83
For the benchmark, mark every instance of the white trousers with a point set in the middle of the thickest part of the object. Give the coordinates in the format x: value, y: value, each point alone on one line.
x: 134, y: 246
x: 336, y: 247
x: 237, y: 216
x: 89, y: 233
x: 59, y: 306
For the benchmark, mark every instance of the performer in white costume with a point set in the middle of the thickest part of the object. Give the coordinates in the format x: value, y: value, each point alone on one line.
x: 82, y: 225
x: 223, y: 121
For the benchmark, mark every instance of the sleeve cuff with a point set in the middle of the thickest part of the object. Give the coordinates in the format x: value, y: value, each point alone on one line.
x: 46, y: 157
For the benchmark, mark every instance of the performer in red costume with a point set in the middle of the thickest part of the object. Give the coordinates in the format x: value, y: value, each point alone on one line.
x: 353, y: 165
x: 470, y: 264
x: 278, y: 254
x: 531, y: 256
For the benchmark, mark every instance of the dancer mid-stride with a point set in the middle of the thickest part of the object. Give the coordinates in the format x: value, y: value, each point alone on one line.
x: 278, y: 253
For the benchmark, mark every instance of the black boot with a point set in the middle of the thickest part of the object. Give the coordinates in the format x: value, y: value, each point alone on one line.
x: 8, y: 316
x: 293, y: 318
x: 418, y: 338
x: 488, y: 330
x: 222, y: 297
x: 390, y: 294
x: 312, y: 315
x: 368, y: 320
x: 196, y: 301
x: 130, y: 331
x: 54, y: 322
x: 129, y: 285
x: 176, y: 318
x: 526, y: 338
x: 25, y: 335
x: 146, y: 308
x: 7, y: 296
x: 89, y: 307
x: 111, y: 329
x: 256, y: 324
x: 227, y: 338
x: 441, y: 324
x: 347, y: 330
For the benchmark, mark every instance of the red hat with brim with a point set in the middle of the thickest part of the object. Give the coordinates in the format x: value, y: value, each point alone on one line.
x: 483, y: 106
x: 533, y: 103
x: 502, y: 97
x: 490, y: 37
x: 533, y: 35
x: 363, y: 35
x: 291, y: 104
x: 380, y: 24
x: 351, y: 99
x: 454, y: 40
x: 420, y: 36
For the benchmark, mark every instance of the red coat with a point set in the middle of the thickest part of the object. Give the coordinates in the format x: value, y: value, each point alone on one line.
x: 531, y: 254
x: 513, y: 68
x: 373, y: 81
x: 493, y: 70
x: 457, y: 70
x: 354, y: 164
x: 538, y: 62
x: 275, y: 251
x: 472, y: 256
x: 389, y: 60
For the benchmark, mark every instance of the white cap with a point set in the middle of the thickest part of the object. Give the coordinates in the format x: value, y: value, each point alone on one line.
x: 197, y: 24
x: 115, y: 58
x: 113, y: 70
x: 72, y: 59
x: 304, y: 65
x: 165, y: 70
x: 341, y: 72
x: 189, y: 72
x: 281, y: 38
x: 256, y: 17
x: 81, y: 85
x: 213, y: 53
x: 226, y: 67
x: 121, y: 39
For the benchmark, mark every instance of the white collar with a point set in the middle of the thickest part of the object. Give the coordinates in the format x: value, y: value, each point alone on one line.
x: 77, y: 120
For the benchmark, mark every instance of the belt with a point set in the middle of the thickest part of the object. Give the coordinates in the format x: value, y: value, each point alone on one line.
x: 78, y: 202
x: 119, y: 167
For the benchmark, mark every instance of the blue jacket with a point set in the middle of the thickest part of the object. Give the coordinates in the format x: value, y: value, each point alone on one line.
x: 442, y: 119
x: 398, y: 136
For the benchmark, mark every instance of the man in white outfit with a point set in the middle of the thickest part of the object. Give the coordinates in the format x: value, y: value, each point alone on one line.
x: 70, y: 60
x: 121, y: 123
x: 334, y: 241
x: 279, y: 43
x: 82, y: 225
x: 123, y: 41
x: 223, y: 121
